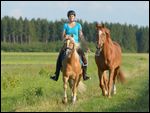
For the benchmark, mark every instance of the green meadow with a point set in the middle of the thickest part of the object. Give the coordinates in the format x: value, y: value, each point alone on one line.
x: 25, y: 85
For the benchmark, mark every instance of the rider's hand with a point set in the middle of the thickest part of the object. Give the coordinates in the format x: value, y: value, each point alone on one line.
x: 71, y: 38
x: 67, y: 37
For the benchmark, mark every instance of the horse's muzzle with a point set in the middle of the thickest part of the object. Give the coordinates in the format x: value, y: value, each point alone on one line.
x: 68, y: 51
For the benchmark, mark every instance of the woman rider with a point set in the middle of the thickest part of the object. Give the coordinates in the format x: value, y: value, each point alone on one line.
x: 73, y: 31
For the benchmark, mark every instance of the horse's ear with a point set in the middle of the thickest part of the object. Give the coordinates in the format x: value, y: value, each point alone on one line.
x: 107, y: 31
x: 97, y: 24
x: 102, y: 25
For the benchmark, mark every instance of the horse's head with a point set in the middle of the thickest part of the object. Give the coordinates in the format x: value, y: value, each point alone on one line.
x: 69, y: 46
x: 102, y: 34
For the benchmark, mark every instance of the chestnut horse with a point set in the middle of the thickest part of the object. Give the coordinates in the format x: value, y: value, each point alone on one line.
x: 107, y: 57
x: 71, y: 69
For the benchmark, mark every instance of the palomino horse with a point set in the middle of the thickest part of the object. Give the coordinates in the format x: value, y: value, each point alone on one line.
x: 107, y: 57
x: 71, y: 69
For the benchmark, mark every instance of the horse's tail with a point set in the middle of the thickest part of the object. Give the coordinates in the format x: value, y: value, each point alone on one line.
x: 121, y: 76
x: 81, y: 87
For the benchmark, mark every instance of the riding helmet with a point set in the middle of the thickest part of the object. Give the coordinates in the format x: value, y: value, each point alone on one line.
x: 71, y: 12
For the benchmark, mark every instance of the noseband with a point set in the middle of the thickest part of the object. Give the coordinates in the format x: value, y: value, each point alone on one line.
x: 68, y: 48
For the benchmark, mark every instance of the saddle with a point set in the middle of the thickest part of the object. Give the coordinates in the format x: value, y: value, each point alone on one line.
x: 64, y: 56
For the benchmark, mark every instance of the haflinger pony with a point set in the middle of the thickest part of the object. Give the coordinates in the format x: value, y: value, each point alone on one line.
x: 107, y: 57
x: 71, y: 69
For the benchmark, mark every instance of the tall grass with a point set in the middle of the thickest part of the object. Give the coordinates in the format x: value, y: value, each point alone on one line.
x: 25, y: 85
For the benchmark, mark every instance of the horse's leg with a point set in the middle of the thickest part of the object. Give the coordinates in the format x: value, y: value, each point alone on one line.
x: 65, y: 80
x: 111, y: 74
x: 79, y: 78
x: 114, y: 81
x: 105, y: 82
x: 102, y: 86
x: 70, y: 83
x: 74, y: 90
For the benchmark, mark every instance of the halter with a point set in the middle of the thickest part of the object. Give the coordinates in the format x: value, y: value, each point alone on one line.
x: 99, y: 49
x: 67, y: 49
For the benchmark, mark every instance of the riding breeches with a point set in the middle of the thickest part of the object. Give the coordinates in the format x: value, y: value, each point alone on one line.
x: 62, y: 55
x: 82, y: 55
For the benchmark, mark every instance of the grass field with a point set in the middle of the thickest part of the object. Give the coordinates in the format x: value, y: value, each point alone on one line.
x: 25, y: 85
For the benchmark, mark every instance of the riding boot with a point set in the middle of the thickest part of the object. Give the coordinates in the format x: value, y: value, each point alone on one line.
x: 58, y: 66
x: 84, y: 66
x: 56, y: 75
x: 85, y: 77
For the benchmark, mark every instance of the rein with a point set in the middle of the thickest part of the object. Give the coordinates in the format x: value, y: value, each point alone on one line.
x: 68, y: 48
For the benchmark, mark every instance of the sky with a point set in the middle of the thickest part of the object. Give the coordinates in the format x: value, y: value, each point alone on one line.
x: 129, y: 12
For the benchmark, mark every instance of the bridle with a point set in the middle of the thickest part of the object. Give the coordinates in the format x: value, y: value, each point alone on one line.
x: 68, y: 49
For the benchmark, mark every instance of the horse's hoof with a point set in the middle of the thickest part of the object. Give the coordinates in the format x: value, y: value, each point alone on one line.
x: 114, y: 92
x: 105, y: 93
x: 73, y: 102
x: 64, y: 100
x: 109, y: 96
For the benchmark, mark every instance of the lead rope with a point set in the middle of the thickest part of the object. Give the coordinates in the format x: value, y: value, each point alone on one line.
x: 87, y: 56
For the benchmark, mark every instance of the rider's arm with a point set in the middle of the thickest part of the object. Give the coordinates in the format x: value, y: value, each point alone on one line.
x: 81, y: 36
x: 64, y: 35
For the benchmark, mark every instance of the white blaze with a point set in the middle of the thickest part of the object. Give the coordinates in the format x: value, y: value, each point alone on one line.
x: 100, y: 32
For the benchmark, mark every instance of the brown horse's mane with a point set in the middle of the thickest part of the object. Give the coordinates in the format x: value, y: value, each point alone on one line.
x: 109, y: 41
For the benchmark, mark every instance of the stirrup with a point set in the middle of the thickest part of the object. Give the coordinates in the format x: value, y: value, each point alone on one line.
x: 53, y: 78
x: 86, y: 78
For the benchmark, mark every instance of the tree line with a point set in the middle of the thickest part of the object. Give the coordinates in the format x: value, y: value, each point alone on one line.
x: 132, y: 38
